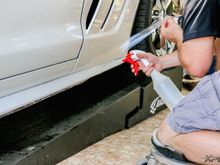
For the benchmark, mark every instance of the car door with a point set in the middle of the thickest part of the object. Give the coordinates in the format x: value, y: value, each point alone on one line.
x: 39, y: 41
x: 106, y: 24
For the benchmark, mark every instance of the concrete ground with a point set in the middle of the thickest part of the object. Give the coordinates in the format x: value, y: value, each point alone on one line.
x: 123, y: 148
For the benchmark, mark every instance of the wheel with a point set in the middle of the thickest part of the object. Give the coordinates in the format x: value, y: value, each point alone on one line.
x: 149, y: 12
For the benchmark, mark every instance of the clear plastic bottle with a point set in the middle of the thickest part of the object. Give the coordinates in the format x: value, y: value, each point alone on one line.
x: 166, y: 89
x: 162, y: 84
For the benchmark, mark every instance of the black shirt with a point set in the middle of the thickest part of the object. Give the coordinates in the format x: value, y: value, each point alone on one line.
x: 201, y: 18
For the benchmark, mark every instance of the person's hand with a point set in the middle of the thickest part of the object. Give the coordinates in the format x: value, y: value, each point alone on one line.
x: 154, y: 63
x: 171, y: 31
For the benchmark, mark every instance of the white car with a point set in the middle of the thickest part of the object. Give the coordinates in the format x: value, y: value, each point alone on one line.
x: 48, y: 46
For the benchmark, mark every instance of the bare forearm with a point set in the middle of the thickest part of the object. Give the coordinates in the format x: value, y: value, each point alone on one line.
x: 170, y: 60
x: 196, y: 55
x: 217, y: 51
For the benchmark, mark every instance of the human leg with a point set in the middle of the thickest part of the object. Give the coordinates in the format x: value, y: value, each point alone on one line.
x: 165, y: 134
x: 202, y: 147
x: 190, y: 127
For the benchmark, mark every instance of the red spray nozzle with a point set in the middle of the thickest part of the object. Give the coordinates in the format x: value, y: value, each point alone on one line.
x: 129, y: 60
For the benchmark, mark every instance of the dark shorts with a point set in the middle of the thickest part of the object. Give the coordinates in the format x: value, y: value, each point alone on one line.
x: 200, y: 109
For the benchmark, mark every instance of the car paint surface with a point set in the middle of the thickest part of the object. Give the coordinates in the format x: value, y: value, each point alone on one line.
x: 44, y: 43
x: 36, y: 34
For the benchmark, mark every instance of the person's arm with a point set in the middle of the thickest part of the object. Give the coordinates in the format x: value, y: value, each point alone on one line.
x: 217, y: 51
x: 169, y: 60
x: 195, y: 55
x: 158, y: 63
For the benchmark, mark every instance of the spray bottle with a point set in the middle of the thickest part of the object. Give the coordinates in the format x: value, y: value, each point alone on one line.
x: 162, y: 84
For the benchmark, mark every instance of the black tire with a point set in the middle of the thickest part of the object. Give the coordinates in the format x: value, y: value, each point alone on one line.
x: 148, y: 95
x: 142, y: 20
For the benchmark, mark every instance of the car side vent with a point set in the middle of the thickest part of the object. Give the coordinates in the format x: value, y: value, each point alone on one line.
x: 91, y: 12
x: 107, y: 14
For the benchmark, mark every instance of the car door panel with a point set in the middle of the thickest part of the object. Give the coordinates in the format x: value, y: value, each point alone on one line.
x: 35, y: 34
x: 104, y: 45
x: 40, y: 76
